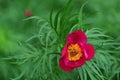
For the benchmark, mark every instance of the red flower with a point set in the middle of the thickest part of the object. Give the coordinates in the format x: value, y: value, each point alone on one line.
x: 28, y: 13
x: 76, y: 51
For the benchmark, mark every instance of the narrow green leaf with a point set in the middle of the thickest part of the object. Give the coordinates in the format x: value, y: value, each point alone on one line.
x: 56, y: 20
x: 51, y: 18
x: 80, y: 17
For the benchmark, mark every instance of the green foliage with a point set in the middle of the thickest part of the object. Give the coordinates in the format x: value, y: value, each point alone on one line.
x: 37, y: 57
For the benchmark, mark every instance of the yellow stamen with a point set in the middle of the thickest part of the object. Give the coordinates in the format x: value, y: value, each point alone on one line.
x: 74, y: 52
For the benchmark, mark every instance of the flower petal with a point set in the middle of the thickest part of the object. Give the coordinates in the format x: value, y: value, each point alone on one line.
x: 64, y: 51
x: 63, y: 66
x: 75, y: 64
x: 77, y: 36
x: 89, y: 51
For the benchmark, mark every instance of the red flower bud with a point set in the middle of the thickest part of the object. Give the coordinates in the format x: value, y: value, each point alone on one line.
x: 28, y: 13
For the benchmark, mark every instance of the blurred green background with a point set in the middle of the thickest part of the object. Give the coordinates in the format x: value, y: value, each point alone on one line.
x: 103, y: 14
x: 100, y: 14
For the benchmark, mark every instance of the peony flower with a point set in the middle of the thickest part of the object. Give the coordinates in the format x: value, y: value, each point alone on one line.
x: 76, y: 51
x: 28, y: 13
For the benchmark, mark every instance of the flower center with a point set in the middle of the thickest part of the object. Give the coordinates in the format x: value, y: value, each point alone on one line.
x: 74, y: 52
